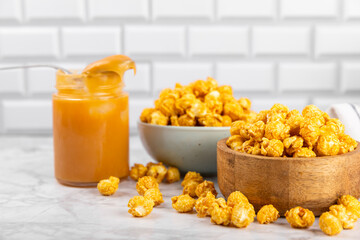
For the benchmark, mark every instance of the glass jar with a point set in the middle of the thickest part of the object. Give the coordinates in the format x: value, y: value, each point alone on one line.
x: 90, y: 128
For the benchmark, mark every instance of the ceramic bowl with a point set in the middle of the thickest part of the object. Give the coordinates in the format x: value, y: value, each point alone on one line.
x: 313, y: 183
x: 187, y: 148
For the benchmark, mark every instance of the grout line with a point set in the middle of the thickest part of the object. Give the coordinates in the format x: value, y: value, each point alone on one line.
x: 276, y: 88
x: 61, y: 54
x: 122, y: 38
x: 312, y: 42
x: 338, y: 78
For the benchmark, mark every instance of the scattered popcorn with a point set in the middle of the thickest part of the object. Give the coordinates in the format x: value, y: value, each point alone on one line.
x: 242, y: 215
x: 203, y: 205
x: 146, y: 183
x: 109, y: 186
x: 190, y: 188
x: 346, y: 217
x: 279, y: 132
x: 299, y: 217
x: 172, y: 175
x: 183, y: 203
x: 138, y: 171
x: 140, y: 206
x: 220, y: 212
x: 192, y: 176
x: 203, y: 188
x: 158, y: 171
x: 267, y: 214
x: 330, y: 224
x: 236, y: 198
x: 351, y: 204
x: 155, y: 195
x: 201, y: 103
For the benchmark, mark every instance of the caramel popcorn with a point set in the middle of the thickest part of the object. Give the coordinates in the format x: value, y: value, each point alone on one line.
x: 351, y: 204
x: 138, y: 171
x: 192, y: 176
x: 279, y: 132
x: 183, y: 203
x: 140, y: 206
x: 201, y: 103
x: 236, y: 198
x: 220, y: 213
x: 190, y: 188
x: 146, y: 183
x: 272, y: 148
x: 299, y: 217
x: 292, y: 144
x: 346, y: 217
x: 304, y: 153
x: 257, y: 131
x: 267, y: 214
x: 328, y: 145
x: 203, y: 204
x: 330, y: 224
x: 172, y: 175
x: 242, y: 215
x: 203, y: 188
x: 109, y: 186
x: 155, y: 195
x: 158, y: 171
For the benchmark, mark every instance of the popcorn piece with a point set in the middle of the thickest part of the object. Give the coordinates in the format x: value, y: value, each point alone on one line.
x: 262, y: 116
x: 346, y: 217
x: 145, y: 114
x: 158, y: 118
x: 203, y: 205
x: 213, y: 102
x: 236, y: 198
x: 235, y: 127
x: 272, y: 148
x: 245, y: 103
x: 158, y: 171
x: 257, y: 131
x: 190, y: 188
x: 304, y: 153
x: 226, y: 121
x: 310, y: 132
x: 146, y: 183
x: 347, y: 144
x: 166, y: 106
x: 220, y: 213
x: 267, y: 214
x: 174, y: 121
x: 233, y: 110
x: 234, y: 142
x: 183, y: 203
x: 329, y: 224
x: 293, y: 120
x: 211, y: 120
x: 138, y: 171
x: 351, y: 204
x: 279, y: 108
x: 328, y: 145
x: 315, y: 114
x: 198, y: 109
x: 192, y: 176
x: 242, y: 215
x: 292, y: 144
x: 186, y: 121
x: 299, y: 217
x: 172, y: 175
x: 200, y: 88
x: 109, y: 186
x: 155, y: 195
x: 333, y: 126
x: 277, y: 130
x: 140, y: 206
x: 203, y: 188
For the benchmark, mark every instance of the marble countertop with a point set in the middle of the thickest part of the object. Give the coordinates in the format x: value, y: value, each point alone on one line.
x: 34, y: 206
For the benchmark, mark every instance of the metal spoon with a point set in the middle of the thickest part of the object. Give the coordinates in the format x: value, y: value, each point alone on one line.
x: 37, y: 66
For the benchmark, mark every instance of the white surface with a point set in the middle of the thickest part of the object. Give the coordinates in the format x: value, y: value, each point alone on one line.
x: 34, y: 206
x: 182, y: 41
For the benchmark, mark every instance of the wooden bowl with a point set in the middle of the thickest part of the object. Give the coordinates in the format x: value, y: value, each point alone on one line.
x: 313, y: 183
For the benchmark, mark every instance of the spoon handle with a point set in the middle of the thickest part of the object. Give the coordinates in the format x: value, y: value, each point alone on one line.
x: 37, y: 66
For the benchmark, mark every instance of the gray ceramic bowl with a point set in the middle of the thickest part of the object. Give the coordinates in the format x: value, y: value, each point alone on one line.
x: 187, y: 148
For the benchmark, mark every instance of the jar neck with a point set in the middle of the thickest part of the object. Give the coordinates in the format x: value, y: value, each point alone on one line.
x: 94, y: 86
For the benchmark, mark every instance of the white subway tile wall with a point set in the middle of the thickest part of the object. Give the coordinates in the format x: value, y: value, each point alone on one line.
x: 295, y: 52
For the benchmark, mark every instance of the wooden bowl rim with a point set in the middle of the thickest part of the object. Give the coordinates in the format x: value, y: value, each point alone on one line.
x: 222, y: 145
